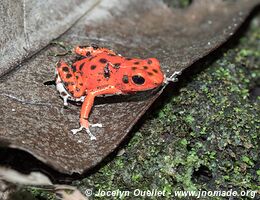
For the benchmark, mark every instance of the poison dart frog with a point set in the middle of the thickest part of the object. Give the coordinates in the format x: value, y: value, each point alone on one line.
x: 101, y: 71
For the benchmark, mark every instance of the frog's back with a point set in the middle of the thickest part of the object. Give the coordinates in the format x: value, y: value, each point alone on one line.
x: 106, y: 69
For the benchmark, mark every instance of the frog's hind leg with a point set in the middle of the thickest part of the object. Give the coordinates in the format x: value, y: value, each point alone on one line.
x: 68, y: 82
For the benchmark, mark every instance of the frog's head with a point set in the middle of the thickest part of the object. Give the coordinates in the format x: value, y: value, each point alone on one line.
x: 143, y: 77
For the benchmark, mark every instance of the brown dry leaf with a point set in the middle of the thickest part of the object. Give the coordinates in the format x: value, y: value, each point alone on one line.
x: 32, y: 117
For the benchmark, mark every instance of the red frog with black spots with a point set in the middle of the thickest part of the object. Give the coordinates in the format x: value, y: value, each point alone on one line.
x: 103, y: 72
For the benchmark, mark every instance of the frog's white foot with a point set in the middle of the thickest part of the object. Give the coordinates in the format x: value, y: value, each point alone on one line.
x: 172, y: 78
x: 75, y: 131
x: 65, y: 101
x: 92, y: 137
x: 96, y: 125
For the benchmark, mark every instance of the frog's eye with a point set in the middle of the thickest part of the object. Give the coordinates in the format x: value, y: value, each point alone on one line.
x: 137, y: 79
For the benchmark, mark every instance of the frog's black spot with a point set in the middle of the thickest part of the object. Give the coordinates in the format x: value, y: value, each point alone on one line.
x: 134, y: 68
x: 98, y: 80
x: 106, y: 71
x: 85, y: 118
x: 77, y: 89
x: 73, y: 67
x: 103, y: 60
x: 116, y: 65
x: 65, y: 69
x: 81, y: 66
x: 88, y: 54
x: 155, y: 71
x: 58, y: 64
x: 150, y: 73
x: 77, y: 77
x: 81, y: 84
x: 68, y: 76
x: 125, y: 79
x: 128, y: 58
x: 149, y: 61
x: 136, y: 63
x: 145, y: 67
x: 84, y: 93
x: 72, y: 92
x: 94, y: 46
x: 92, y: 67
x: 63, y: 94
x: 66, y: 84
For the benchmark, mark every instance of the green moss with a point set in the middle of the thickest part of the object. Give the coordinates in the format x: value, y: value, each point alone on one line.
x: 40, y: 194
x: 31, y: 193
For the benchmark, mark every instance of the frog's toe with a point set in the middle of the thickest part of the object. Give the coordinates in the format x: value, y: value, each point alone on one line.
x: 173, y: 77
x: 171, y: 80
x: 65, y: 101
x: 92, y: 137
x: 96, y: 125
x: 75, y: 131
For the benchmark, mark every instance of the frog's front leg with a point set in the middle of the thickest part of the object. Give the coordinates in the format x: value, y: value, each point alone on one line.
x: 86, y: 108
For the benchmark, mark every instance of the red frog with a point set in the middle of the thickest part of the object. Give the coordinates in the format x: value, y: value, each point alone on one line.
x: 103, y: 72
